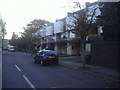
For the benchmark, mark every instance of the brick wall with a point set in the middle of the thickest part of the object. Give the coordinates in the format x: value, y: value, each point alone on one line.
x: 105, y: 53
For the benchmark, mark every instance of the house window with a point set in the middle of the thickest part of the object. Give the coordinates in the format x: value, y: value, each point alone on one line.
x: 100, y: 30
x: 64, y: 35
x: 72, y: 35
x: 51, y: 38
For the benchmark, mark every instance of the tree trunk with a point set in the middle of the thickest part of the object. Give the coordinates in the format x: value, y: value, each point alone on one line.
x: 83, y: 52
x: 3, y: 43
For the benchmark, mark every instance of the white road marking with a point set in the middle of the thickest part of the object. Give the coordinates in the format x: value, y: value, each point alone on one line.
x: 18, y: 68
x: 30, y: 84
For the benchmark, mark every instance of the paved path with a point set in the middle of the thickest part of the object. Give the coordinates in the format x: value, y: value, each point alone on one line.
x: 105, y: 73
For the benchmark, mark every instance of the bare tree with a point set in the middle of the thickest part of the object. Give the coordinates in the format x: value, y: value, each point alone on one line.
x: 84, y: 18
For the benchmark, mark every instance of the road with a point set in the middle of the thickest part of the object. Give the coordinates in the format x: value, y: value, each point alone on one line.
x: 20, y: 71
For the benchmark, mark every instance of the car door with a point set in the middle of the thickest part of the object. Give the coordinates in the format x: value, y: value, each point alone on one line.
x: 39, y: 56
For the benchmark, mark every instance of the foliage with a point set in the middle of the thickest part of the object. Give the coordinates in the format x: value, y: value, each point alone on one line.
x: 2, y: 31
x: 14, y: 40
x: 27, y: 41
x: 2, y: 28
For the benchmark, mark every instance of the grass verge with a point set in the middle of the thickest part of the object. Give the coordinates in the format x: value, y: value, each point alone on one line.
x: 63, y: 56
x: 70, y: 59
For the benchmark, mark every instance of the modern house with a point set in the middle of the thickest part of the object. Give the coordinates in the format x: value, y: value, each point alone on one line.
x: 61, y: 36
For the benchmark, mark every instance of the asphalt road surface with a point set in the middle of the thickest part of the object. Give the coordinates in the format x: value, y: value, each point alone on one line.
x: 20, y: 71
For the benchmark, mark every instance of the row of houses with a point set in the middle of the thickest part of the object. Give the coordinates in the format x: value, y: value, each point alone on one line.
x: 61, y: 37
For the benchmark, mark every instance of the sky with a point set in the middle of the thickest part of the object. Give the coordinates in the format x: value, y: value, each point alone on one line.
x: 18, y: 13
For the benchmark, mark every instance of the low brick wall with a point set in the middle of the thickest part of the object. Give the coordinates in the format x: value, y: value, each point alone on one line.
x: 105, y: 54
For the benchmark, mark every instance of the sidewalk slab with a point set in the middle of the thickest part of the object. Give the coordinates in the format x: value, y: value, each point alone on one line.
x: 108, y: 74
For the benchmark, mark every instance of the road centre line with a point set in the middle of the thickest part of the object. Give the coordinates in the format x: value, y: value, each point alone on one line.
x: 30, y: 84
x: 27, y: 80
x: 18, y: 68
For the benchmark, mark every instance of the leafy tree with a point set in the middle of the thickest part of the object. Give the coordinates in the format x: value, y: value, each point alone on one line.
x: 30, y: 30
x: 19, y: 43
x: 13, y: 41
x: 28, y: 40
x: 2, y: 29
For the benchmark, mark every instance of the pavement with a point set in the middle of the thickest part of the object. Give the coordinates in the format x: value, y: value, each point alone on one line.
x: 107, y: 74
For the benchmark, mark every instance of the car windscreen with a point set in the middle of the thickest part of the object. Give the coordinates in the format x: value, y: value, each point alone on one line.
x: 50, y: 53
x: 40, y: 53
x: 11, y: 47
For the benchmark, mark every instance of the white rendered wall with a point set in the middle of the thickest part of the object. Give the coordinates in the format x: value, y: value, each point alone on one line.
x: 58, y: 27
x: 70, y: 23
x: 43, y: 32
x: 91, y: 10
x: 49, y: 30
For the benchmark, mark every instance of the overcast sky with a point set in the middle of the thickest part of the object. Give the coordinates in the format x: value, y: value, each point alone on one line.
x: 18, y: 13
